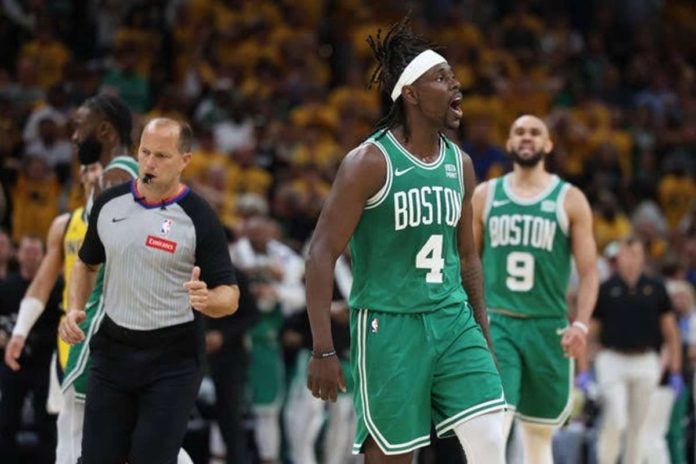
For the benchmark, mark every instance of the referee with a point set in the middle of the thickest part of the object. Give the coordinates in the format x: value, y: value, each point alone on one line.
x: 165, y: 252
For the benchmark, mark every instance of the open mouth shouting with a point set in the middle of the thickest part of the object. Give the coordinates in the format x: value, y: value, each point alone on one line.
x: 454, y: 105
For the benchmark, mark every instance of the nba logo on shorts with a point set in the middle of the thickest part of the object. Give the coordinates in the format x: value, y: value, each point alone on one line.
x: 166, y: 227
x: 375, y: 325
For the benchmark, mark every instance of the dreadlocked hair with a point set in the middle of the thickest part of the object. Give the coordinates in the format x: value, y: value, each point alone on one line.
x: 393, y: 53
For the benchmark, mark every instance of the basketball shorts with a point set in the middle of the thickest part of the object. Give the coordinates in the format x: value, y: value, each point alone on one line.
x: 536, y: 375
x: 417, y: 369
x: 266, y: 374
x: 77, y: 368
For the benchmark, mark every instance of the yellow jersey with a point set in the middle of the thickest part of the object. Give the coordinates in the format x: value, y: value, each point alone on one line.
x: 72, y: 241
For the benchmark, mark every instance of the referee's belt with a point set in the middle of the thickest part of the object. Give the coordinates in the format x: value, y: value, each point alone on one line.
x: 175, y: 334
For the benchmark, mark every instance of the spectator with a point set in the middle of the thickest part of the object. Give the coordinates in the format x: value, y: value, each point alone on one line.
x: 224, y: 342
x: 54, y: 109
x: 53, y: 148
x: 34, y: 376
x: 35, y: 199
x: 633, y: 315
x: 6, y: 254
x: 49, y: 53
x: 489, y: 160
x: 677, y: 190
x: 682, y: 295
x: 610, y: 223
x: 124, y: 81
x: 276, y: 273
x: 3, y: 206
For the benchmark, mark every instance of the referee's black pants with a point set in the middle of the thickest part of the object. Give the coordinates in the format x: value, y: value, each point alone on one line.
x: 141, y: 388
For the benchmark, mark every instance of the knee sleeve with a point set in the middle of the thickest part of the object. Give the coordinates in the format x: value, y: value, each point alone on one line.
x: 267, y: 428
x: 482, y: 439
x: 537, y: 443
x: 507, y: 423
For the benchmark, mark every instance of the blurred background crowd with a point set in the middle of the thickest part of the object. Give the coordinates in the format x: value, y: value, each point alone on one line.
x: 276, y: 91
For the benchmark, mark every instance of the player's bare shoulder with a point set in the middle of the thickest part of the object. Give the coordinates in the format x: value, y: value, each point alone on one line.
x: 466, y: 159
x: 576, y: 205
x: 481, y: 192
x: 366, y: 156
x: 363, y: 168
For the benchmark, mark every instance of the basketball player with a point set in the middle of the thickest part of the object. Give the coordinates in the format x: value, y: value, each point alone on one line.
x: 403, y: 198
x: 528, y: 224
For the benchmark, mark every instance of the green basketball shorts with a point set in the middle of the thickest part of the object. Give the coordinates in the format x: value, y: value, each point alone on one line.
x: 266, y: 374
x: 411, y: 370
x: 536, y: 375
x: 76, y: 372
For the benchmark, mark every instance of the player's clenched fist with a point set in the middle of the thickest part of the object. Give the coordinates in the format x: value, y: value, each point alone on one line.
x: 325, y: 376
x: 574, y: 342
x: 197, y: 290
x: 69, y: 329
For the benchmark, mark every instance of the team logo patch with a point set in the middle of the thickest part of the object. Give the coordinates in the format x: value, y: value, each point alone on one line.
x: 451, y: 170
x: 374, y: 326
x: 160, y: 243
x: 548, y: 206
x: 166, y: 227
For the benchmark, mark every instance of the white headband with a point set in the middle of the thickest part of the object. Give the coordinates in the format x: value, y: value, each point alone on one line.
x: 415, y: 69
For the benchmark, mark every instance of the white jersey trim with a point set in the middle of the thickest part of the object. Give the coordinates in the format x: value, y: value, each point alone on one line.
x: 377, y: 199
x: 117, y: 164
x: 489, y: 199
x: 561, y: 214
x: 529, y: 201
x: 460, y: 168
x: 414, y: 158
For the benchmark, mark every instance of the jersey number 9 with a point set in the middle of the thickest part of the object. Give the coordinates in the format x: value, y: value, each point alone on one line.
x: 520, y: 269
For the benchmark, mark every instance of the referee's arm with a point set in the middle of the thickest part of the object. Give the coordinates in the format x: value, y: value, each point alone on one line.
x: 223, y: 301
x: 220, y: 301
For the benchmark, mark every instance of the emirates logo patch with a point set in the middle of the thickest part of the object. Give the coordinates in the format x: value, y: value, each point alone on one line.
x: 160, y: 244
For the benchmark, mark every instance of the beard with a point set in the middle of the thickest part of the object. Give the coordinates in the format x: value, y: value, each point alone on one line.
x: 89, y: 150
x: 528, y: 162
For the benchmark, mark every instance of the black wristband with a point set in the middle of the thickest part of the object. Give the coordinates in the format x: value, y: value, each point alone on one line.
x: 326, y: 354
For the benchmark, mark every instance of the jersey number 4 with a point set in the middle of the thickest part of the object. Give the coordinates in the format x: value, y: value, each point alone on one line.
x: 520, y: 270
x: 430, y: 257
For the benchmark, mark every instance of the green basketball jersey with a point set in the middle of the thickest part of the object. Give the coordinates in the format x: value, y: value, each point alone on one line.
x: 76, y: 367
x: 404, y: 249
x: 125, y: 162
x: 526, y: 250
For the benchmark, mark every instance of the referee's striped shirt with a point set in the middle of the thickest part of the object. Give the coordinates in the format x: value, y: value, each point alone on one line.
x: 149, y: 252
